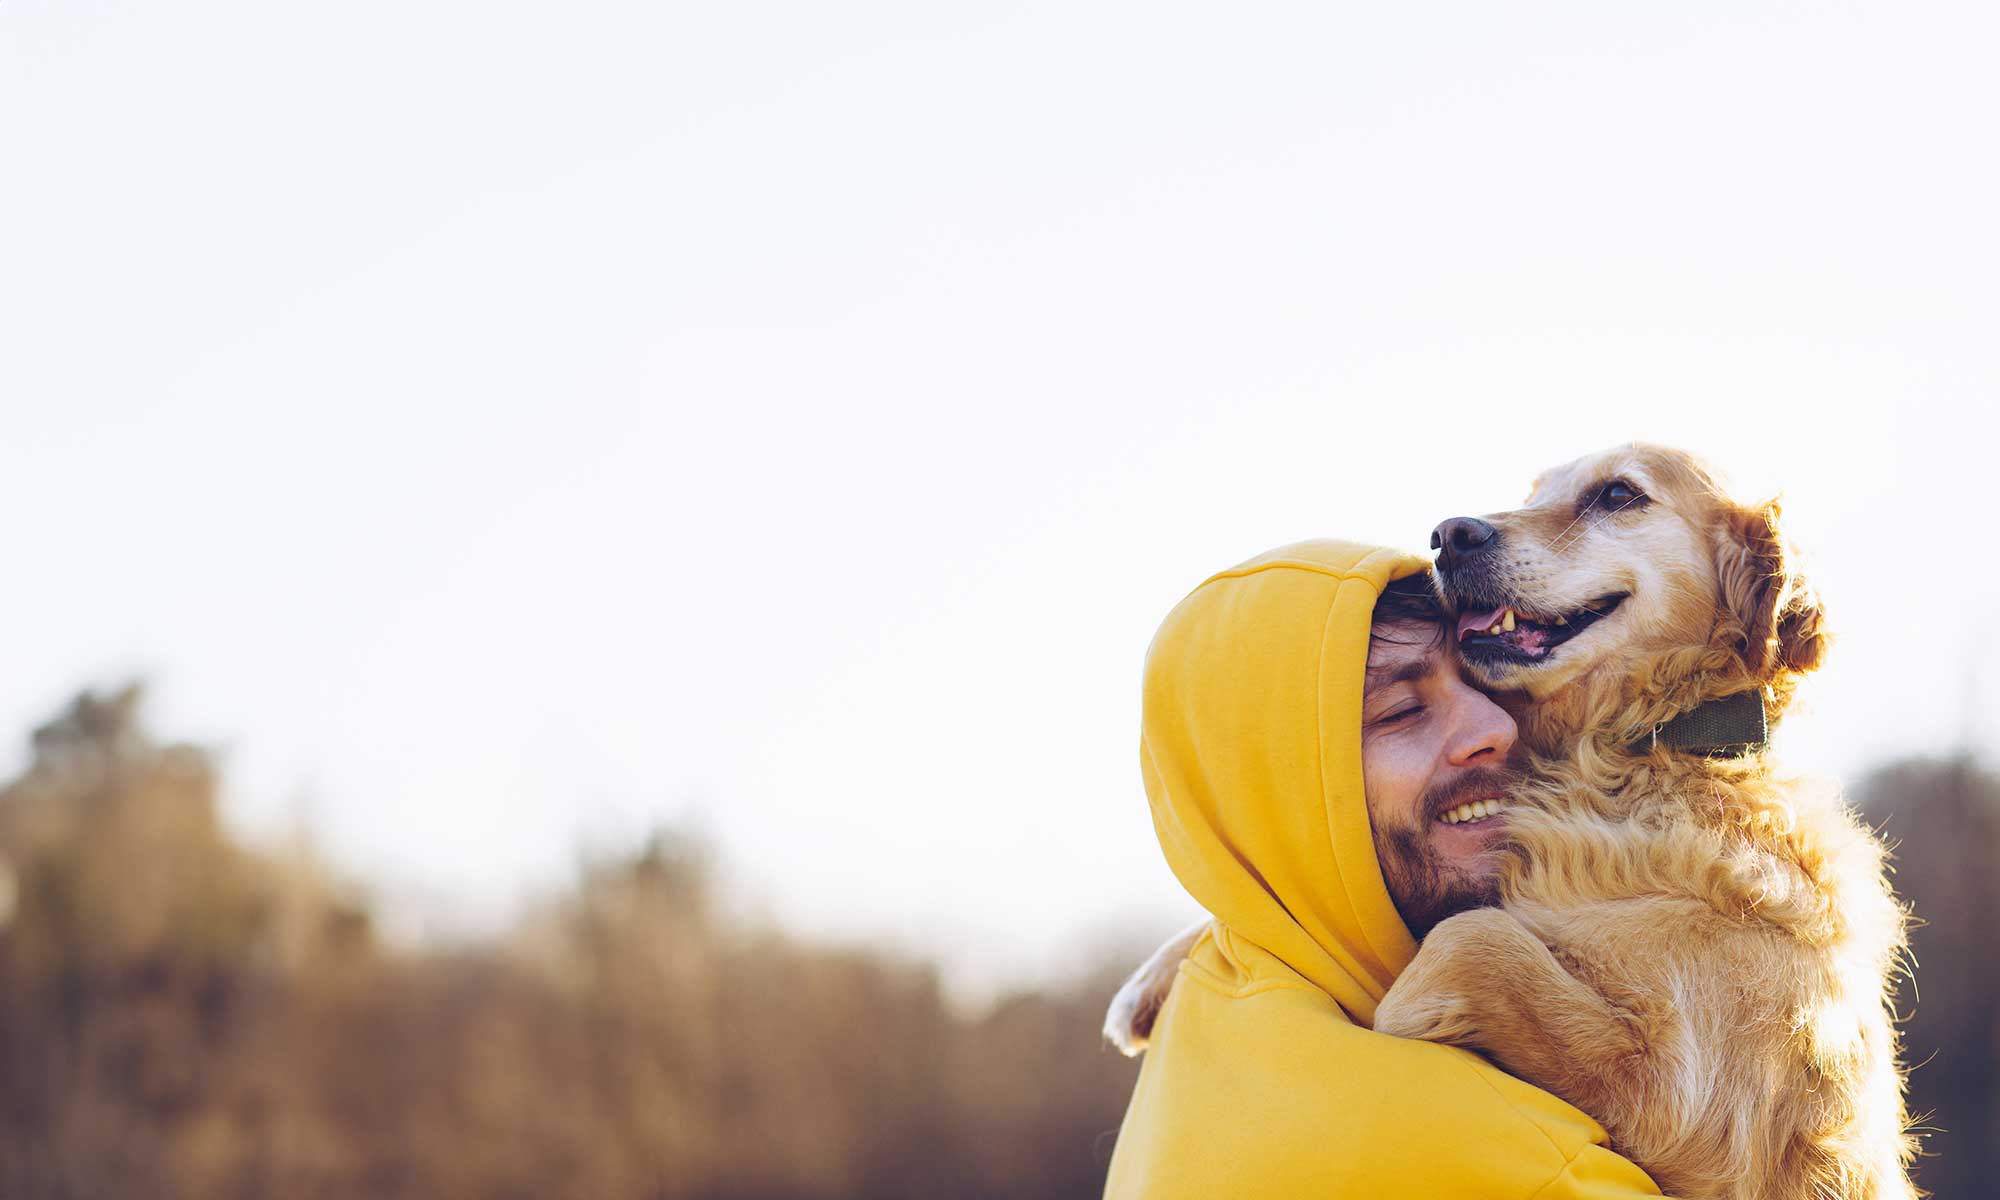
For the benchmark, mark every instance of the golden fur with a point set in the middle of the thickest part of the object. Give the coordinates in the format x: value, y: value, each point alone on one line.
x: 1696, y: 951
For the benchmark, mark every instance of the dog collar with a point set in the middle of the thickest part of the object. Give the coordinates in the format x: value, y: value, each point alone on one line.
x: 1731, y: 727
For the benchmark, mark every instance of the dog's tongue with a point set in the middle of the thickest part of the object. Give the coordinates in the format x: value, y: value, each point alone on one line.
x: 1477, y: 622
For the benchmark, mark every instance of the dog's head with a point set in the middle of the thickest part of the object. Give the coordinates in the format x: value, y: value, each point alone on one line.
x: 1619, y: 556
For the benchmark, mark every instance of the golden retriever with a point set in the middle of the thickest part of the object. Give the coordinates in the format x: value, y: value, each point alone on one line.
x: 1691, y: 948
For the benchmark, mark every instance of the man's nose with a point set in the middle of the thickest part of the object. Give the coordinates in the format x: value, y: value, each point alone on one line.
x: 1461, y: 538
x: 1483, y: 729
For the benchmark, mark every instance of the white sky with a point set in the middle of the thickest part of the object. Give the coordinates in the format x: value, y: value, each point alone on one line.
x: 503, y: 428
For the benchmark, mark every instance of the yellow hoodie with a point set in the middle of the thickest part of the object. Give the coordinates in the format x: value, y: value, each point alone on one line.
x: 1264, y: 1078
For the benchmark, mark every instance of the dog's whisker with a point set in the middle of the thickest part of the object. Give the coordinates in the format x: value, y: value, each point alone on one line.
x: 1558, y: 543
x: 1557, y: 540
x: 1593, y: 523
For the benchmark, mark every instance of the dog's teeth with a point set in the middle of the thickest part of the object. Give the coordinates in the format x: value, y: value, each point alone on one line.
x: 1562, y: 620
x: 1507, y: 621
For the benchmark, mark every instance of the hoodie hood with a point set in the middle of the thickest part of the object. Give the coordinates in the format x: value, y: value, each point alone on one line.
x: 1251, y: 750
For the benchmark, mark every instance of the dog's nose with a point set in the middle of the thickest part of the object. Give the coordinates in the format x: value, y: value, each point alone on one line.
x: 1460, y: 538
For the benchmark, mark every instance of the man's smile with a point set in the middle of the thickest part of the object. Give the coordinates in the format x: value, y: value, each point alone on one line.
x: 1468, y: 821
x: 1475, y: 812
x: 1465, y: 842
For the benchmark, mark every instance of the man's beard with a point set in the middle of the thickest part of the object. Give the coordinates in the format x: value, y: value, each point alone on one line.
x: 1425, y: 887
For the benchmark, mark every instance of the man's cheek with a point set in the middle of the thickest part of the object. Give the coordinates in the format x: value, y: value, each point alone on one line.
x: 1393, y: 778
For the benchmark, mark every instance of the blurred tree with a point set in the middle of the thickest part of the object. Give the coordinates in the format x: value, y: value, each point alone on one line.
x: 183, y: 1016
x: 1944, y: 818
x: 140, y: 954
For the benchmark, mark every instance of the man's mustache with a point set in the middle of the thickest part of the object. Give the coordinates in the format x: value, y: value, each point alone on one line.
x: 1479, y: 783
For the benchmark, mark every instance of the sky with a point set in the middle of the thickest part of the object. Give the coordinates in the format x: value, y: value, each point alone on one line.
x: 501, y: 430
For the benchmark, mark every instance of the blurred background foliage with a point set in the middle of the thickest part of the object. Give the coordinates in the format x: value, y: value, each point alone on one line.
x: 183, y: 1015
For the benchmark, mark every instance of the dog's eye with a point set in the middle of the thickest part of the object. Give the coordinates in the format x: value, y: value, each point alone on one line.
x: 1618, y: 494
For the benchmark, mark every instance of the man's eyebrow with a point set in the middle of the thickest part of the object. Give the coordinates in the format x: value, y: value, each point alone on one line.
x: 1410, y: 670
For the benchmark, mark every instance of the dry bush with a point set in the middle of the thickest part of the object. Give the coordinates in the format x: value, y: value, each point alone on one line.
x: 183, y: 1017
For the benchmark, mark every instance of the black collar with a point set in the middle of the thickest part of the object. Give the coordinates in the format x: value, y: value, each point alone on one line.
x: 1732, y: 727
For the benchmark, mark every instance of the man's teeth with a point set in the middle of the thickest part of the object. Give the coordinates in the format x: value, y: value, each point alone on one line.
x: 1472, y: 812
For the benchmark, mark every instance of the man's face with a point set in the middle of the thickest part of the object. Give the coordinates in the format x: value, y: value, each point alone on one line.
x: 1430, y: 746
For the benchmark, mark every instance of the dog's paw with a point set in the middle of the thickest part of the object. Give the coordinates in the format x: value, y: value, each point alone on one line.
x: 1424, y: 1016
x: 1432, y: 999
x: 1128, y: 1023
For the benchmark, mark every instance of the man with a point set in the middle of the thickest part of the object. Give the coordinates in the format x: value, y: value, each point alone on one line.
x: 1288, y: 734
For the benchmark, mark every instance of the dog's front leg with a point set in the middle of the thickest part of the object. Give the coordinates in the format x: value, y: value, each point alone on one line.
x: 1484, y: 981
x: 1129, y: 1023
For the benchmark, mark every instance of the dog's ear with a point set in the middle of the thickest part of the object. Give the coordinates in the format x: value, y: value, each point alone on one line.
x: 1783, y: 623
